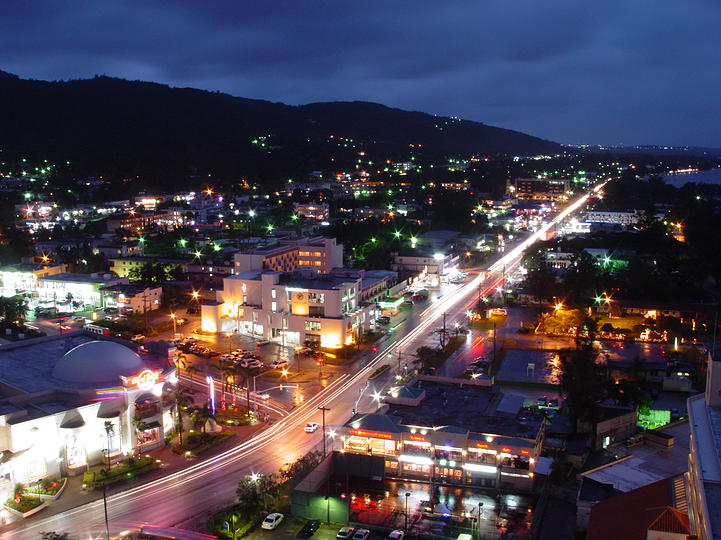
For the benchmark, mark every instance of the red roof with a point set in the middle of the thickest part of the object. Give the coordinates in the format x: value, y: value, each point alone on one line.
x: 671, y: 521
x: 630, y: 514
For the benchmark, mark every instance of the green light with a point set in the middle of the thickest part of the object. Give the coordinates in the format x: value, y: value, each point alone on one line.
x: 598, y: 299
x: 183, y: 242
x: 294, y: 217
x: 397, y: 234
x: 373, y: 240
x: 217, y: 247
x: 197, y: 254
x: 28, y: 195
x: 270, y: 227
x: 141, y: 240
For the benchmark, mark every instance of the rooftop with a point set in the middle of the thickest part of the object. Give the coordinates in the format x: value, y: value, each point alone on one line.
x: 470, y: 408
x: 647, y: 462
x: 58, y: 362
x: 80, y: 278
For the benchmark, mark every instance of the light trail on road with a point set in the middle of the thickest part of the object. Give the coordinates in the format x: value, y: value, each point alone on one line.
x: 153, y: 494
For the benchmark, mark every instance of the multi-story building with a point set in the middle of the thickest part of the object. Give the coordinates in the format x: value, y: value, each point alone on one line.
x: 124, y: 266
x: 135, y: 221
x: 23, y: 278
x: 320, y: 211
x: 317, y: 253
x: 549, y: 189
x: 424, y: 265
x: 704, y: 460
x: 128, y: 298
x: 74, y: 292
x: 450, y: 433
x: 619, y: 218
x: 290, y: 308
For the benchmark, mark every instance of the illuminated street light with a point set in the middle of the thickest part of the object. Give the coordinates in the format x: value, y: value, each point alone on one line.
x: 251, y: 213
x: 377, y: 395
x: 558, y: 307
x: 197, y: 254
x: 397, y: 234
x: 270, y: 227
x: 254, y: 477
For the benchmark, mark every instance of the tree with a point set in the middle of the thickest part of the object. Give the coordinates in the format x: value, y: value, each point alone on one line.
x: 52, y: 535
x: 200, y: 416
x: 582, y: 381
x: 182, y: 399
x: 13, y: 308
x: 301, y: 466
x: 257, y: 494
x: 109, y: 432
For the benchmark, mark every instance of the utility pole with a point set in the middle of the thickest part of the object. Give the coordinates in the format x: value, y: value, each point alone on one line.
x: 323, y: 409
x: 494, y: 343
x: 105, y: 507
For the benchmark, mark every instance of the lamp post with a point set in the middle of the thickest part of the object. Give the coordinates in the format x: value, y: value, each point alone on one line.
x: 175, y: 332
x: 323, y: 409
x: 407, y: 494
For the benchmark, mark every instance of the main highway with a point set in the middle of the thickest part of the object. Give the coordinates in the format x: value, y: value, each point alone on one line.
x: 186, y: 498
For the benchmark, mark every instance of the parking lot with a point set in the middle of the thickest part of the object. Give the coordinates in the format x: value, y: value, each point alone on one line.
x: 291, y: 525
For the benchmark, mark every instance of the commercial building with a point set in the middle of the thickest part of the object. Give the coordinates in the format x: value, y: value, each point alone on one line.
x: 424, y: 265
x: 291, y: 308
x: 128, y: 298
x: 57, y: 395
x: 135, y: 221
x: 74, y: 292
x: 316, y: 253
x: 124, y: 266
x: 450, y: 433
x: 23, y: 278
x: 619, y: 218
x: 704, y: 459
x: 319, y: 212
x: 548, y: 189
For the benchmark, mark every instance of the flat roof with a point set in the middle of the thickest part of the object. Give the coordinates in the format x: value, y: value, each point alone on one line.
x: 471, y: 408
x: 79, y: 278
x: 648, y: 462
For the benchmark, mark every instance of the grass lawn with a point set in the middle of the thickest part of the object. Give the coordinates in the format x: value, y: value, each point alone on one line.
x: 99, y: 476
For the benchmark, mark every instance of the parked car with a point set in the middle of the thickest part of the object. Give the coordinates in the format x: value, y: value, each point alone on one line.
x: 398, y: 534
x: 260, y: 395
x: 271, y: 521
x: 383, y: 319
x: 499, y: 312
x: 542, y: 401
x: 308, y: 529
x: 345, y: 533
x: 262, y: 342
x: 311, y: 427
x: 361, y: 534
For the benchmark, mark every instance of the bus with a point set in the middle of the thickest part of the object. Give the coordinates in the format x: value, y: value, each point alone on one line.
x: 96, y: 329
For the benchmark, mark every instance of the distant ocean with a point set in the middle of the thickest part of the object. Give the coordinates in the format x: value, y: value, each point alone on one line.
x: 712, y: 176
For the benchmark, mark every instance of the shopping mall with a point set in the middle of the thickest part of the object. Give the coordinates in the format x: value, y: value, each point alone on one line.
x: 453, y: 433
x: 59, y: 395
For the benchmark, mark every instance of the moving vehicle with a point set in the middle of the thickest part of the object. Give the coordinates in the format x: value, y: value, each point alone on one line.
x: 383, y: 319
x: 260, y: 395
x: 311, y: 427
x: 279, y: 364
x: 361, y: 534
x: 271, y: 521
x: 308, y: 529
x: 499, y: 312
x: 262, y: 342
x: 95, y: 329
x: 345, y: 533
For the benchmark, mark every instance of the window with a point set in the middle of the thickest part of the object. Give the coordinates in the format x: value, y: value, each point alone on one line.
x: 273, y: 293
x: 316, y: 298
x: 312, y: 326
x: 244, y: 287
x: 274, y: 306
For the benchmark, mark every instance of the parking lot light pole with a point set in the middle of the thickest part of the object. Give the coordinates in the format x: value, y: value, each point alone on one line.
x: 323, y: 409
x: 407, y: 496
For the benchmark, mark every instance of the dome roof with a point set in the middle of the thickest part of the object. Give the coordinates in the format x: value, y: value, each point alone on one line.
x: 98, y: 363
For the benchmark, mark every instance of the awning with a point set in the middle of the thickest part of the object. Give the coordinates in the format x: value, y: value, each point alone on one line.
x: 110, y: 408
x: 72, y: 420
x: 151, y: 425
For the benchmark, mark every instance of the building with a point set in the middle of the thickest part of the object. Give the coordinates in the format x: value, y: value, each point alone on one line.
x: 128, y: 298
x: 366, y: 212
x: 135, y: 221
x: 23, y: 278
x: 58, y: 392
x: 451, y: 433
x: 618, y: 218
x: 424, y: 265
x: 74, y: 292
x: 319, y: 212
x: 548, y: 189
x: 316, y: 253
x: 124, y: 266
x: 291, y: 308
x: 704, y: 459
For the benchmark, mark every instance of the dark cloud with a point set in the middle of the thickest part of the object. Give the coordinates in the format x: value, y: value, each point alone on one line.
x: 617, y: 71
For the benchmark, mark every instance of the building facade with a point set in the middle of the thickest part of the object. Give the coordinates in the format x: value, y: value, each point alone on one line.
x: 548, y: 189
x: 316, y: 253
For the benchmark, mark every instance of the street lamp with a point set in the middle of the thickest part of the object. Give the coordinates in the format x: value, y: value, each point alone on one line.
x: 407, y: 497
x: 175, y: 332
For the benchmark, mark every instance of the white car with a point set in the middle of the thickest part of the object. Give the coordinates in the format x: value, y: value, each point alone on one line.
x: 361, y: 534
x: 262, y: 342
x: 260, y: 395
x: 345, y: 533
x: 271, y: 521
x: 279, y: 364
x: 311, y: 427
x: 396, y: 535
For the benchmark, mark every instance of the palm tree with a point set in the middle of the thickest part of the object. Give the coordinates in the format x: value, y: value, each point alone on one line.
x: 192, y: 369
x: 201, y: 415
x: 109, y: 432
x: 182, y: 399
x: 226, y: 369
x: 140, y: 425
x: 245, y: 373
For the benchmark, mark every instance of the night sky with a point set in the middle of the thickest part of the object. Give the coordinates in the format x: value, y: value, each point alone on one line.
x: 603, y: 71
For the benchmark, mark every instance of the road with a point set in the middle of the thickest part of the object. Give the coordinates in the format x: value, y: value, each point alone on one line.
x: 187, y: 498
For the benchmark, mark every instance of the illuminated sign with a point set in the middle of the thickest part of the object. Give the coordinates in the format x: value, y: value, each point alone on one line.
x: 524, y: 452
x: 481, y: 445
x: 505, y: 449
x: 145, y: 379
x: 477, y: 467
x: 416, y: 438
x: 372, y: 434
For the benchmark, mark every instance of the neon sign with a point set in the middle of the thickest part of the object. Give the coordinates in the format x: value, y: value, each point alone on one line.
x: 416, y: 438
x: 372, y: 434
x: 145, y: 379
x: 481, y: 445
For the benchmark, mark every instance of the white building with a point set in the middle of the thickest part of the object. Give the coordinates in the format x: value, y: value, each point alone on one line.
x: 704, y: 460
x: 425, y: 265
x: 290, y: 308
x: 74, y: 292
x: 317, y: 253
x: 313, y: 211
x: 619, y: 218
x: 23, y: 278
x: 57, y: 393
